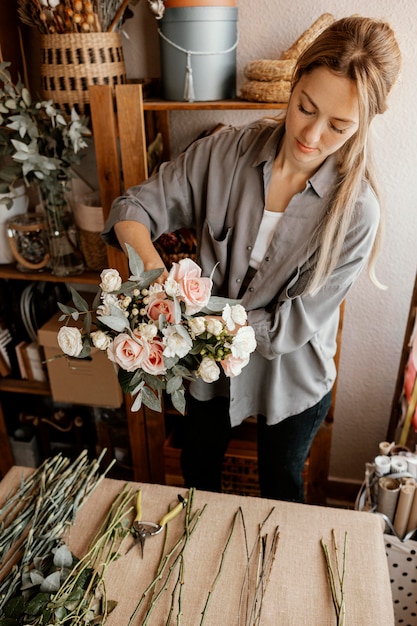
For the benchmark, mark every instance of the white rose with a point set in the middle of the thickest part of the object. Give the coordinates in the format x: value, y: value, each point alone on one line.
x: 107, y: 299
x: 100, y: 340
x: 171, y: 287
x: 70, y: 340
x: 177, y: 341
x: 214, y: 326
x: 155, y: 288
x: 110, y: 280
x: 244, y: 342
x: 197, y: 325
x: 208, y: 370
x: 233, y: 315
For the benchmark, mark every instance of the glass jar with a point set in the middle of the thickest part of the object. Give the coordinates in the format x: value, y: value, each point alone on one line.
x: 28, y: 239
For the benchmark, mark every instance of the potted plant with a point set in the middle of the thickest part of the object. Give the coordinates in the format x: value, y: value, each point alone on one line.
x: 39, y: 147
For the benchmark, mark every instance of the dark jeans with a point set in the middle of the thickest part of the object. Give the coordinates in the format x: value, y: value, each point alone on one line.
x: 282, y: 448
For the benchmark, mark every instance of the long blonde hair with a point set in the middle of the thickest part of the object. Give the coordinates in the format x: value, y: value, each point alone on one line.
x: 366, y: 51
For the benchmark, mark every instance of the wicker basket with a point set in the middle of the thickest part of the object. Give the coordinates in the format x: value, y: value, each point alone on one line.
x: 73, y: 61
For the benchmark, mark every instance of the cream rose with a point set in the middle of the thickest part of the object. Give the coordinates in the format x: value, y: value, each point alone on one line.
x: 100, y: 340
x: 208, y: 370
x: 197, y: 325
x: 214, y: 326
x: 110, y: 280
x: 70, y: 340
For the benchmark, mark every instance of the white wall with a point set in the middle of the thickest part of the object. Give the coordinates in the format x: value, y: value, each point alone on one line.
x: 374, y: 320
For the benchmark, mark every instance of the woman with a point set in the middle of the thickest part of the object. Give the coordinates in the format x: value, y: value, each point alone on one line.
x: 289, y: 212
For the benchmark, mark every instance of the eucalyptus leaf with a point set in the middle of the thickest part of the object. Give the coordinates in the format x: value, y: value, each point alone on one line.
x: 117, y: 323
x: 36, y: 577
x: 74, y: 599
x: 63, y: 556
x: 178, y: 400
x: 173, y: 384
x: 137, y: 402
x: 216, y: 304
x: 152, y: 401
x: 51, y: 583
x: 61, y: 613
x: 79, y: 301
x: 68, y: 310
x: 135, y: 262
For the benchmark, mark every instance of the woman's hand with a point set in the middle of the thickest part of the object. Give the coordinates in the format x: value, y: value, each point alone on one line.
x: 138, y: 237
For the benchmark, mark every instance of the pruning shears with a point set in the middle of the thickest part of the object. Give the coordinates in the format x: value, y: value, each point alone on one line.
x: 142, y: 530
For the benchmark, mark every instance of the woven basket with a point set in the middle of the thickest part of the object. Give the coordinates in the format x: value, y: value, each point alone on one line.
x: 73, y: 61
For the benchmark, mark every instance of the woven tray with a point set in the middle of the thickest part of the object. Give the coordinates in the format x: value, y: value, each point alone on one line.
x: 270, y: 69
x: 262, y: 91
x: 73, y: 61
x: 308, y: 36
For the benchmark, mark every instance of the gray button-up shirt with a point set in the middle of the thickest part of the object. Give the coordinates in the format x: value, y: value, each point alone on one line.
x: 219, y: 187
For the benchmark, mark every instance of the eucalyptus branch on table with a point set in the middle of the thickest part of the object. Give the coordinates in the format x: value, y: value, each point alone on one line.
x: 41, y: 581
x: 336, y: 578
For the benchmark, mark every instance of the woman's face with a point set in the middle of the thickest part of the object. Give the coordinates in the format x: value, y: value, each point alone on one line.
x: 323, y: 113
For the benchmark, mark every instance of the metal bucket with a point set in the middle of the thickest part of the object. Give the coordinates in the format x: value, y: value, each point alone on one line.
x: 198, y: 53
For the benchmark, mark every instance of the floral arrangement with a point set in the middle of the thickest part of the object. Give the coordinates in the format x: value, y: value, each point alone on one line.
x: 74, y: 16
x: 36, y: 140
x: 160, y: 334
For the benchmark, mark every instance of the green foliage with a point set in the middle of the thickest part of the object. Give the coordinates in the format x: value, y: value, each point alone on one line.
x: 37, y: 144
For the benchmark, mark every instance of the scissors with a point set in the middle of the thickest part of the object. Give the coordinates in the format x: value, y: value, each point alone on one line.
x: 141, y: 530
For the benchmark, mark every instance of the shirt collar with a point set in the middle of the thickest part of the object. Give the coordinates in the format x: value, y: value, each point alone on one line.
x: 321, y: 182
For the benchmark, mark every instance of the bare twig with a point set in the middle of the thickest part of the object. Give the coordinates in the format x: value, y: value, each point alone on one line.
x: 336, y: 588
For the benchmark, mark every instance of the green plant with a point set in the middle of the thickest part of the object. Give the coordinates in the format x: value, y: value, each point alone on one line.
x: 37, y: 143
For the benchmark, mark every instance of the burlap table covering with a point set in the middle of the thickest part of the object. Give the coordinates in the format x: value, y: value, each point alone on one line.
x: 298, y: 592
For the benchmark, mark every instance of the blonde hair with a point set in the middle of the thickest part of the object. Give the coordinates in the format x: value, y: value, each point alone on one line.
x: 366, y: 51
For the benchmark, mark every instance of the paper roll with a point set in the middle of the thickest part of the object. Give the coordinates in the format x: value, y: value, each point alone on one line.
x: 382, y: 465
x: 398, y: 464
x: 385, y: 447
x: 412, y: 464
x: 388, y: 492
x: 412, y: 520
x: 402, y: 514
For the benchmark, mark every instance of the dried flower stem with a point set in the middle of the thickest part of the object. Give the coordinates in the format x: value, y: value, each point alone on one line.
x: 219, y: 571
x: 337, y: 587
x: 169, y: 560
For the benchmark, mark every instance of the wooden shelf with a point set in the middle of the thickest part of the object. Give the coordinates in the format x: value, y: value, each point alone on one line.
x: 11, y: 272
x: 157, y: 104
x: 14, y: 385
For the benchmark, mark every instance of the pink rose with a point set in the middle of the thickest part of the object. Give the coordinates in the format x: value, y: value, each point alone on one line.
x: 194, y: 289
x: 160, y: 305
x: 154, y: 364
x: 127, y: 352
x: 233, y: 365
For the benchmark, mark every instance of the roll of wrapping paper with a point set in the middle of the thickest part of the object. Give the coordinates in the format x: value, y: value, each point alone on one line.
x: 402, y: 514
x: 382, y: 465
x: 412, y: 520
x: 385, y: 447
x: 412, y: 464
x: 388, y: 492
x: 398, y: 464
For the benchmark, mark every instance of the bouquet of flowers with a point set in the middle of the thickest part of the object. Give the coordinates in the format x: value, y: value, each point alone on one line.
x: 160, y: 334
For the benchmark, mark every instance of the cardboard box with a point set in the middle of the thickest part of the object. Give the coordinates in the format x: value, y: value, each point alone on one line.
x: 91, y: 381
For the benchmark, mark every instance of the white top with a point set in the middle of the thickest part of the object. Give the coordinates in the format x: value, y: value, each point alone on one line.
x: 266, y: 231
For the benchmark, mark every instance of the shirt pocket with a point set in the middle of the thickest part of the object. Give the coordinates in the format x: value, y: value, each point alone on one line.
x: 215, y: 251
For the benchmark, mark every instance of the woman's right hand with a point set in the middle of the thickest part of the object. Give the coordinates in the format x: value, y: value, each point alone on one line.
x: 138, y: 237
